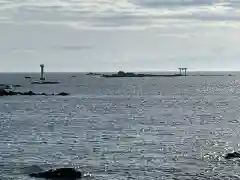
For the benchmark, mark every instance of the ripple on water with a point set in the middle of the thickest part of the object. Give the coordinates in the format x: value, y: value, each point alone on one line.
x: 152, y: 128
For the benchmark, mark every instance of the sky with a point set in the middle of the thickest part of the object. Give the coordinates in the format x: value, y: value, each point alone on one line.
x: 112, y: 35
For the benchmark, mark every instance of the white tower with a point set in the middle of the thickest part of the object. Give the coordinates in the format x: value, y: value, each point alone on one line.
x: 42, y: 72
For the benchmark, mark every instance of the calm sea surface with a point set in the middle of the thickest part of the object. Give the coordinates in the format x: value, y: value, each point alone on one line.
x: 124, y: 128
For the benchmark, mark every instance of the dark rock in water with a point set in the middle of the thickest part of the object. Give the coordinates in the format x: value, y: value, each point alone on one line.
x: 62, y: 173
x: 93, y: 74
x: 8, y: 93
x: 63, y: 94
x: 45, y: 82
x: 29, y: 93
x: 28, y: 77
x: 232, y: 155
x: 4, y: 92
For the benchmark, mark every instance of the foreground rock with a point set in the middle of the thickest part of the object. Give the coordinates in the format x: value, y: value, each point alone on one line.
x: 232, y: 155
x: 129, y: 74
x: 4, y: 92
x: 62, y: 173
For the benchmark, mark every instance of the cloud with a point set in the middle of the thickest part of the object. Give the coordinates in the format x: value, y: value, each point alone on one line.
x: 24, y: 50
x: 72, y: 47
x: 174, y: 3
x: 117, y: 14
x: 66, y: 47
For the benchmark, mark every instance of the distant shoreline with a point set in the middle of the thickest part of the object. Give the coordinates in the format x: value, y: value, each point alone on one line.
x: 122, y: 74
x: 130, y: 74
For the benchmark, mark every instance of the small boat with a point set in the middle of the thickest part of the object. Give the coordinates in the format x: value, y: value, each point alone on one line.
x: 6, y: 87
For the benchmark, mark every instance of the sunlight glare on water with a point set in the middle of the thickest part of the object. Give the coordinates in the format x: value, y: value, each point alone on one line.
x: 128, y: 128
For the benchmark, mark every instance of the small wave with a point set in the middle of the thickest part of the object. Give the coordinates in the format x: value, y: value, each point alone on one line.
x: 32, y: 169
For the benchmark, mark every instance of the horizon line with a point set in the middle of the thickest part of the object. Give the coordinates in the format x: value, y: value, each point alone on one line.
x: 118, y: 71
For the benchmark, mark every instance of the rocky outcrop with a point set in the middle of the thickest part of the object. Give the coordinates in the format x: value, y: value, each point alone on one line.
x: 232, y: 155
x: 62, y: 173
x: 3, y: 92
x: 93, y: 74
x: 129, y: 74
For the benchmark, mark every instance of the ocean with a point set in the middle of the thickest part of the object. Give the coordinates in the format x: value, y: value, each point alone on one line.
x: 176, y: 128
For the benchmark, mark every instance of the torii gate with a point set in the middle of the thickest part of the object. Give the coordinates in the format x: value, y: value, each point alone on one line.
x: 185, y: 71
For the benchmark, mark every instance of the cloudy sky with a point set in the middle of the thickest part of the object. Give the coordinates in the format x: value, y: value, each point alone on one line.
x: 109, y: 35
